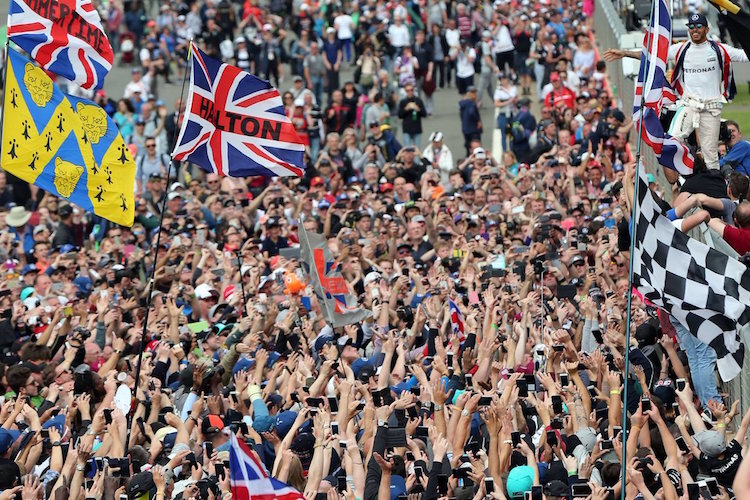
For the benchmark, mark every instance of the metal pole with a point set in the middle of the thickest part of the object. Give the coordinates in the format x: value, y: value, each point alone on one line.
x: 153, y: 270
x: 633, y: 226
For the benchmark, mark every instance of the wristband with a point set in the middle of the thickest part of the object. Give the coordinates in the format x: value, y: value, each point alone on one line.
x: 494, y: 325
x: 572, y: 472
x: 254, y: 393
x: 438, y: 407
x: 721, y: 426
x: 614, y: 392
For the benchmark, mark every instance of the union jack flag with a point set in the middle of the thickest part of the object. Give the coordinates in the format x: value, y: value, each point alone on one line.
x: 654, y: 88
x: 339, y: 305
x: 64, y: 36
x: 457, y: 319
x: 249, y: 478
x: 235, y: 124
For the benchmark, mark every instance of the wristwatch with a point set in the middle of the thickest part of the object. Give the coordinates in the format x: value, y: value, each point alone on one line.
x: 80, y: 467
x: 56, y: 443
x: 465, y: 413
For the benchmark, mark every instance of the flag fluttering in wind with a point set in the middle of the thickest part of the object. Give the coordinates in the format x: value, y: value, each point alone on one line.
x: 66, y: 145
x: 705, y: 289
x: 249, y: 479
x: 235, y: 124
x: 338, y: 304
x: 654, y: 88
x: 65, y: 37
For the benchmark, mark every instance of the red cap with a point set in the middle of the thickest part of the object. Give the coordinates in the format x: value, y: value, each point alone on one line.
x: 317, y: 181
x: 386, y: 187
x: 554, y: 76
x: 228, y: 291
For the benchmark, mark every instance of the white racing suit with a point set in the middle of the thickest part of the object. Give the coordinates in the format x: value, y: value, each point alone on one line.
x: 703, y: 116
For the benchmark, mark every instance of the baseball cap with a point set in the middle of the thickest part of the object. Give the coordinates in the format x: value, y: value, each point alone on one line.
x: 29, y: 268
x: 372, y: 276
x: 710, y: 442
x: 554, y: 76
x: 519, y: 481
x: 173, y: 195
x: 471, y: 88
x: 697, y: 18
x: 436, y: 137
x: 65, y: 211
x: 212, y: 424
x: 284, y: 422
x: 479, y: 153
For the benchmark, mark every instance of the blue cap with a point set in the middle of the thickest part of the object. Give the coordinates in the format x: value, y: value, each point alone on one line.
x: 57, y: 422
x: 84, y: 285
x: 324, y: 204
x: 29, y: 268
x: 243, y: 364
x: 398, y: 487
x: 263, y: 423
x: 284, y: 422
x: 697, y: 18
x: 468, y: 187
x: 7, y: 438
x: 342, y: 196
x: 66, y: 248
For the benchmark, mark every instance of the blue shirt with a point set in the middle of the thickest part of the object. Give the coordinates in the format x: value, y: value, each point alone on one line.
x: 331, y: 50
x: 738, y: 157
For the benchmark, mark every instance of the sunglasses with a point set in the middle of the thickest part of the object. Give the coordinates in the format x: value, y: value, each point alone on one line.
x: 693, y: 26
x: 150, y: 145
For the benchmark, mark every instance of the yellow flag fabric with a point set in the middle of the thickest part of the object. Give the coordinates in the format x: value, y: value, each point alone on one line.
x: 66, y: 145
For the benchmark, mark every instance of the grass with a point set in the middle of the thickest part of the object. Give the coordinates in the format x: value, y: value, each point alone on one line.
x: 738, y: 110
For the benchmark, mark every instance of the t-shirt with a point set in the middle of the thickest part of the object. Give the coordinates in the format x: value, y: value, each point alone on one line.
x: 399, y: 35
x: 738, y: 238
x: 505, y: 94
x: 710, y: 183
x: 723, y: 469
x: 701, y: 70
x: 464, y: 64
x: 728, y: 207
x: 344, y: 26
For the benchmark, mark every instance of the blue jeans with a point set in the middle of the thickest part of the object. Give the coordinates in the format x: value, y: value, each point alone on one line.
x: 702, y: 361
x: 347, y: 43
x: 314, y: 146
x: 413, y: 140
x: 318, y: 83
x: 502, y: 124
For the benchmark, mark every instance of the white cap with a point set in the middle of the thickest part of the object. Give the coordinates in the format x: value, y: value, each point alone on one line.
x: 203, y: 291
x: 479, y: 153
x: 436, y: 137
x: 372, y: 276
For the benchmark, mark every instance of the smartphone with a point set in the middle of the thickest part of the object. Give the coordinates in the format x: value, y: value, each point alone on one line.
x: 564, y: 380
x: 469, y: 380
x: 442, y: 484
x: 233, y: 395
x: 558, y: 347
x: 557, y: 423
x: 45, y: 433
x: 68, y: 311
x: 489, y: 485
x: 218, y: 271
x: 422, y: 431
x: 209, y: 447
x: 412, y: 412
x: 646, y: 404
x: 557, y: 404
x: 606, y: 444
x: 681, y: 383
x: 485, y: 401
x: 123, y: 497
x: 713, y: 486
x: 333, y: 403
x: 616, y: 431
x: 551, y: 438
x: 410, y: 456
x: 334, y: 428
x: 220, y: 472
x: 341, y: 484
x: 89, y: 484
x: 694, y: 491
x: 108, y: 415
x: 536, y: 493
x: 515, y: 438
x: 681, y: 444
x: 449, y: 361
x: 201, y: 237
x: 314, y: 402
x: 581, y: 490
x: 523, y: 388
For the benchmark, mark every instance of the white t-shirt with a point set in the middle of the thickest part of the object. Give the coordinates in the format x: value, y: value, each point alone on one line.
x: 465, y: 64
x: 503, y: 40
x: 344, y: 26
x: 399, y: 35
x: 453, y: 37
x: 504, y: 94
x: 701, y: 71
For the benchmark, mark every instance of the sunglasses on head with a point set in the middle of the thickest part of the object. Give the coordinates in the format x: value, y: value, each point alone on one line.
x: 693, y: 26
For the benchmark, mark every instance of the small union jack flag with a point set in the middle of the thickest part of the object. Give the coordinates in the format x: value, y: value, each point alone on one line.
x: 249, y: 478
x: 457, y: 319
x: 235, y: 124
x: 654, y: 88
x: 64, y: 36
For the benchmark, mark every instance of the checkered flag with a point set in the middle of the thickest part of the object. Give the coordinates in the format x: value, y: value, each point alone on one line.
x: 706, y: 290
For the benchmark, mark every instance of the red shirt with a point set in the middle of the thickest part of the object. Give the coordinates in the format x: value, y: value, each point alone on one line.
x: 564, y: 95
x: 738, y: 238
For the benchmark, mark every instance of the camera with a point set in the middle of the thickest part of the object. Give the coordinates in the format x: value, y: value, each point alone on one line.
x: 405, y: 314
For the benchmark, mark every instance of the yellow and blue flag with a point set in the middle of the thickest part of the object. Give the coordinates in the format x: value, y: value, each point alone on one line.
x: 65, y: 145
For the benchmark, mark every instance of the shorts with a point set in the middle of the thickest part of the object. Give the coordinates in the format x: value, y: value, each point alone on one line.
x: 519, y: 63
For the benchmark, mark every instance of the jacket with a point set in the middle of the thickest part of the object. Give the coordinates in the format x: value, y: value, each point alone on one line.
x: 470, y: 117
x: 727, y: 75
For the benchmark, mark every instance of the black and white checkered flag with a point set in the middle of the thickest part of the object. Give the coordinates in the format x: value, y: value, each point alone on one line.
x: 706, y: 290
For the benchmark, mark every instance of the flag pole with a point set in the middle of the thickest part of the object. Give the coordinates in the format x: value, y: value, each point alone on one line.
x: 633, y: 225
x: 153, y: 270
x: 243, y: 313
x: 5, y: 89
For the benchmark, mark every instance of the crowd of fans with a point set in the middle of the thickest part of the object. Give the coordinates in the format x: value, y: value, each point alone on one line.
x: 492, y: 360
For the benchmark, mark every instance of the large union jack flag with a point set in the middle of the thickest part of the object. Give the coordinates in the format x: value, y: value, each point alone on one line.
x: 64, y: 36
x: 249, y: 479
x: 457, y: 320
x: 654, y: 89
x: 235, y: 124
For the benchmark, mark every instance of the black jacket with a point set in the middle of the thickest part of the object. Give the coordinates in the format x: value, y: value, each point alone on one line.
x: 411, y: 121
